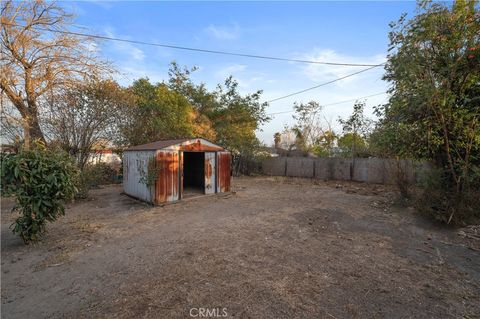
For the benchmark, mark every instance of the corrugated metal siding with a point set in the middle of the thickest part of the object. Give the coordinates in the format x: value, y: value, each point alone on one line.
x: 167, y: 184
x: 135, y: 165
x: 209, y: 172
x: 223, y: 163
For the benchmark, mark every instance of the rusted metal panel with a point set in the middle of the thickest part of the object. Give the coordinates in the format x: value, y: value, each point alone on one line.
x: 180, y: 167
x: 224, y: 176
x: 199, y: 145
x: 167, y: 183
x: 135, y: 170
x: 209, y: 172
x: 187, y: 144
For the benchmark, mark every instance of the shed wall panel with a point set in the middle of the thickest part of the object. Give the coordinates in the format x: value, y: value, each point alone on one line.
x: 223, y: 181
x: 168, y: 180
x: 209, y: 172
x: 135, y: 169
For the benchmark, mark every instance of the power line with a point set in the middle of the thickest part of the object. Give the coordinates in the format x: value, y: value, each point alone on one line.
x: 323, y: 84
x: 245, y: 55
x: 334, y: 103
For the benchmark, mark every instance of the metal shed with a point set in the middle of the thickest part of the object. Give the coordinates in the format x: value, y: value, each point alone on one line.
x: 169, y: 170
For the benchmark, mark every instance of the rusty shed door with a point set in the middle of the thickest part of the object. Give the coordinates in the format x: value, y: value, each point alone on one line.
x: 223, y: 163
x: 167, y: 184
x: 210, y: 172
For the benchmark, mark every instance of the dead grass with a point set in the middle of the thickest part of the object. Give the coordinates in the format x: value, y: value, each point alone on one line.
x: 273, y: 248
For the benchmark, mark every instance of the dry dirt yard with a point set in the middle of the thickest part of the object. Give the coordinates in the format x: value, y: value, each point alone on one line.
x: 276, y: 248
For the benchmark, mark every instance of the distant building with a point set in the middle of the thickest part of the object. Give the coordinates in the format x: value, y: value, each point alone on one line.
x: 107, y: 156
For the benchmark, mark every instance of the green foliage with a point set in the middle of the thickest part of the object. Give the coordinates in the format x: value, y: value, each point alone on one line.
x: 151, y: 175
x: 237, y: 117
x: 434, y: 110
x: 356, y: 129
x: 92, y: 176
x: 159, y: 114
x: 326, y: 143
x: 233, y: 117
x: 41, y: 180
x: 437, y: 201
x: 307, y: 127
x: 350, y: 142
x: 312, y: 132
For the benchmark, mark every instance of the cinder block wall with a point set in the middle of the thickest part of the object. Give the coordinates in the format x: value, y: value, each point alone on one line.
x: 275, y: 166
x: 300, y: 167
x: 370, y: 170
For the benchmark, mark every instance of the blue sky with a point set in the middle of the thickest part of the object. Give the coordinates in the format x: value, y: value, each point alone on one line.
x: 351, y: 32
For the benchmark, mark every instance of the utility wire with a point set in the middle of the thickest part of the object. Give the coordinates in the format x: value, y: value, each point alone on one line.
x: 334, y: 103
x: 193, y: 49
x: 323, y: 84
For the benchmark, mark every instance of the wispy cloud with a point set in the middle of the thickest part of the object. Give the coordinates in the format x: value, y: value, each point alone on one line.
x: 103, y: 4
x: 299, y: 77
x: 248, y: 80
x: 223, y: 32
x: 125, y: 48
x: 128, y: 74
x: 232, y: 69
x: 320, y: 72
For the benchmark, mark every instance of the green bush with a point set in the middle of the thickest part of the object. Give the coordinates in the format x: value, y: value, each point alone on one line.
x: 94, y: 175
x: 41, y: 181
x: 437, y: 200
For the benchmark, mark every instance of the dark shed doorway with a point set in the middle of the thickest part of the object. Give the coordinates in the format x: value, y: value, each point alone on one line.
x: 193, y: 173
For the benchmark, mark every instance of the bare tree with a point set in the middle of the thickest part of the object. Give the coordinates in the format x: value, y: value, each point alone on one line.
x: 80, y: 118
x: 38, y: 57
x: 11, y: 127
x: 313, y: 132
x: 287, y: 138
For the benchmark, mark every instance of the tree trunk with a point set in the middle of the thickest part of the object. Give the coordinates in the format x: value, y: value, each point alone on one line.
x: 32, y: 132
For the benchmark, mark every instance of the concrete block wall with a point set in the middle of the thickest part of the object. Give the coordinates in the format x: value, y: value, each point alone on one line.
x: 324, y: 168
x: 360, y: 169
x: 275, y: 166
x: 341, y: 169
x: 300, y: 167
x: 376, y: 171
x: 369, y: 170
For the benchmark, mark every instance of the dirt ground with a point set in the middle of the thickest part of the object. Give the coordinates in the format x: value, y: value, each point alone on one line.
x: 275, y: 248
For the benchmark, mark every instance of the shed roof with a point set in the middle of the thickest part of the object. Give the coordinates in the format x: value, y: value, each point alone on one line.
x: 166, y: 143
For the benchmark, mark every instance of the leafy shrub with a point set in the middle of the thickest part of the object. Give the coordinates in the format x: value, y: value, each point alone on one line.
x: 82, y: 185
x: 41, y: 181
x: 436, y: 199
x: 94, y: 175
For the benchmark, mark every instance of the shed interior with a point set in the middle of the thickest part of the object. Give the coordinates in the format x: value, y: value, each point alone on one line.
x: 193, y: 173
